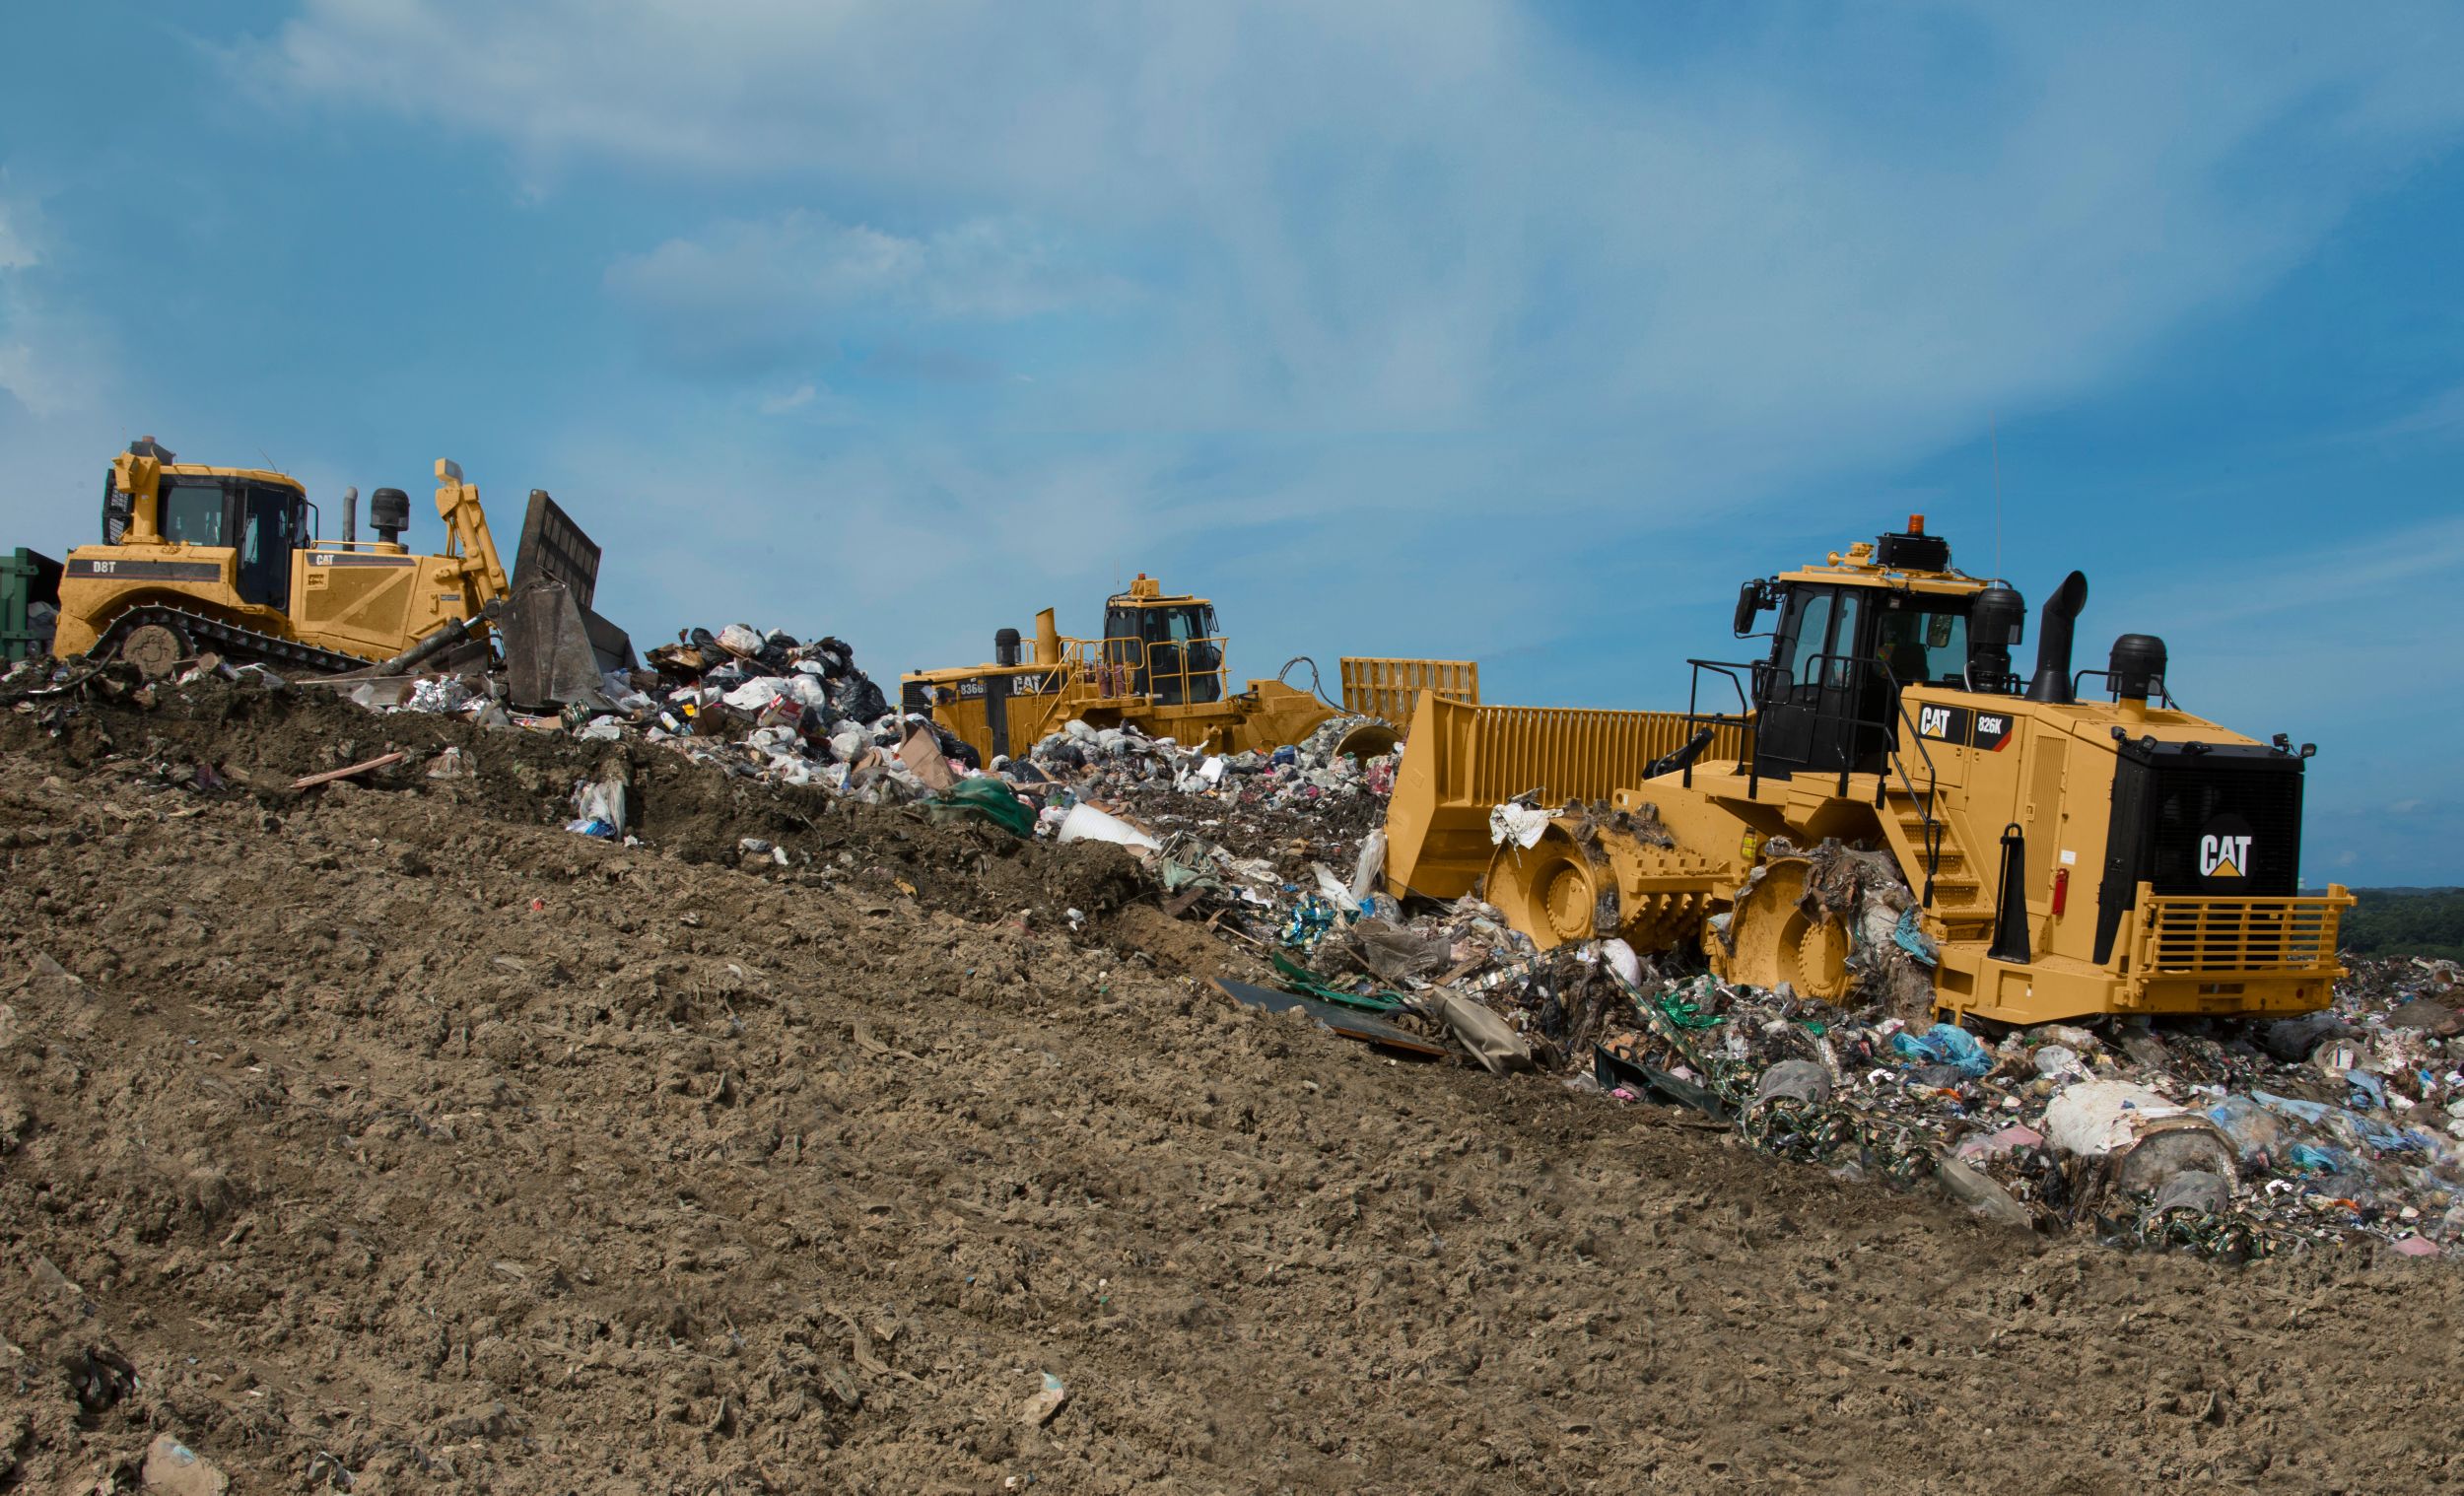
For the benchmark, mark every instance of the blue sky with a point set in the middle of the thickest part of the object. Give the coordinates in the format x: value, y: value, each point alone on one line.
x: 1442, y: 327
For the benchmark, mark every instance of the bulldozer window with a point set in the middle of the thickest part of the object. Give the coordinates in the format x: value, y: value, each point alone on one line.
x: 268, y: 533
x: 193, y: 512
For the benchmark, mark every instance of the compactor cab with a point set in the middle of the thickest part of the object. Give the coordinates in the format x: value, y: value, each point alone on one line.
x: 1848, y: 637
x: 1165, y: 647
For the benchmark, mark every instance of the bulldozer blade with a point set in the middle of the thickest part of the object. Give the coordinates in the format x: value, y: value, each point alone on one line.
x: 557, y: 651
x: 553, y: 655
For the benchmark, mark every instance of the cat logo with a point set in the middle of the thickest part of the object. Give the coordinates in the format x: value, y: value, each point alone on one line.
x: 2222, y: 856
x: 1944, y: 725
x: 2225, y: 850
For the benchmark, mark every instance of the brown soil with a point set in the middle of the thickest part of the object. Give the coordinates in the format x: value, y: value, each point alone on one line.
x: 393, y: 1130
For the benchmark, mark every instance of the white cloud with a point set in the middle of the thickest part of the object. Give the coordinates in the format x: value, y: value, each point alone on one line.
x: 1409, y: 272
x: 15, y: 254
x: 1698, y: 281
x: 746, y: 293
x: 2437, y: 416
x: 47, y: 365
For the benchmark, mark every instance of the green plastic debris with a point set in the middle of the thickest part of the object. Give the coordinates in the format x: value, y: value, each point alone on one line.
x: 984, y: 798
x: 1302, y: 980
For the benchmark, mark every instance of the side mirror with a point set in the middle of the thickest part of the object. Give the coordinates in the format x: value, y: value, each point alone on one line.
x: 1751, y: 599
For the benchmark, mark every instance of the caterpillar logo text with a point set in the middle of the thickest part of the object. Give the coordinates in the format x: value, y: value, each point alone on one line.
x: 2224, y: 857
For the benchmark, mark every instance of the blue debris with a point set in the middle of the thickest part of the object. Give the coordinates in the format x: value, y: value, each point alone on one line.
x: 1945, y: 1044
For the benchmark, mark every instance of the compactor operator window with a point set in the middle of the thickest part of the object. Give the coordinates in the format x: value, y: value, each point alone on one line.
x: 1923, y: 644
x: 192, y: 512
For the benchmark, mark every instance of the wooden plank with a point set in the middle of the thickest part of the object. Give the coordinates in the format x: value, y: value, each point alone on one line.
x: 311, y: 782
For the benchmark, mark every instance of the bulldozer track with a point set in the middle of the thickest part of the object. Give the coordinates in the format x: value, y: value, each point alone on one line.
x: 204, y: 632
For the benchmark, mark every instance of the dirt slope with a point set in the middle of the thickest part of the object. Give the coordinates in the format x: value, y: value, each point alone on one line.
x: 392, y: 1137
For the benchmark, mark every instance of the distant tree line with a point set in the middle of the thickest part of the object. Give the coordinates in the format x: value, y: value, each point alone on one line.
x: 2406, y: 922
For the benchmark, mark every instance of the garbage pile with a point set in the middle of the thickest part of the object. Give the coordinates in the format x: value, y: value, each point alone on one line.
x: 755, y: 704
x: 1270, y: 812
x: 2232, y: 1139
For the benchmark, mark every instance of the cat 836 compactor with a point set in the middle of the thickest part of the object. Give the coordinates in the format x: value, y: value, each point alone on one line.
x: 1160, y: 668
x: 2064, y: 857
x: 197, y: 559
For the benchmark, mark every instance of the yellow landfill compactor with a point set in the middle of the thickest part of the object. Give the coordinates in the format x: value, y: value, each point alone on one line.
x: 197, y: 559
x: 2065, y: 857
x: 1159, y: 668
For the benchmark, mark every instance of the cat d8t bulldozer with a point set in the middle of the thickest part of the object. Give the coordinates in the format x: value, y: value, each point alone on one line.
x: 2064, y: 857
x: 197, y: 559
x: 1160, y: 668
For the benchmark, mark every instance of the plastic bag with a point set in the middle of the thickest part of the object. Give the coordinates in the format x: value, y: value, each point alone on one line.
x: 1946, y: 1044
x: 599, y: 809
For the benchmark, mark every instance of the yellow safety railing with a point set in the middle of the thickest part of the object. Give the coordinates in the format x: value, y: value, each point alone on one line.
x: 1112, y: 670
x: 1390, y: 688
x: 2211, y: 938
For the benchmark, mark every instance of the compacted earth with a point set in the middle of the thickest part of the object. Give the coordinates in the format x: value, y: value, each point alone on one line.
x: 386, y: 1136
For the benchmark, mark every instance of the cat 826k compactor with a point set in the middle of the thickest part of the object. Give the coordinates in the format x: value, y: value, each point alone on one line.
x: 2064, y: 857
x: 196, y: 558
x: 1159, y: 668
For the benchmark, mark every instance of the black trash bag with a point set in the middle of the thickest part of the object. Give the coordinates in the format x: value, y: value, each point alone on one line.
x: 955, y: 748
x: 859, y: 698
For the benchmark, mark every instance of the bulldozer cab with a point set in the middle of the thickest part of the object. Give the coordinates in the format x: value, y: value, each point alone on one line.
x: 1165, y: 649
x: 262, y: 520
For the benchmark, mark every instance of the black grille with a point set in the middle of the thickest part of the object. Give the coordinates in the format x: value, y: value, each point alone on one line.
x: 2191, y: 794
x: 2167, y: 801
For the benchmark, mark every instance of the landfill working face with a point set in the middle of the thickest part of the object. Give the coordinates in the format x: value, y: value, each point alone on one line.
x: 737, y: 1071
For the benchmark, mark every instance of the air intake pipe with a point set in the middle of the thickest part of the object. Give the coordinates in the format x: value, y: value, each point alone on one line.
x: 2053, y: 641
x: 389, y: 514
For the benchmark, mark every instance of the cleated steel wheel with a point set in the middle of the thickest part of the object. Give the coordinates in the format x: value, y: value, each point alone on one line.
x: 155, y: 649
x: 1550, y: 889
x: 1822, y: 961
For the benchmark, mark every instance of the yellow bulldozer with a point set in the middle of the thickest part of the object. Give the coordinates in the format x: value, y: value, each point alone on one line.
x: 1887, y: 716
x: 1160, y: 668
x: 197, y: 559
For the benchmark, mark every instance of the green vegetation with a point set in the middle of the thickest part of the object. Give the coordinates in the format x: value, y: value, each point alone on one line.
x: 2406, y: 922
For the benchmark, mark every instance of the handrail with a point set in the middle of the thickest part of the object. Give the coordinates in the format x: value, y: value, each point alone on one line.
x: 1726, y: 670
x: 1860, y: 667
x: 1111, y: 667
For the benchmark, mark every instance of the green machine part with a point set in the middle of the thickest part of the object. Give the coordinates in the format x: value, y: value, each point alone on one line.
x: 26, y: 578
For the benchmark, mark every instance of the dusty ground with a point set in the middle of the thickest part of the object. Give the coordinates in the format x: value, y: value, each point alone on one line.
x: 392, y: 1138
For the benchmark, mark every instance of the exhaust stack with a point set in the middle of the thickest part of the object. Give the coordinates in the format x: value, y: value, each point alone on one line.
x: 2052, y: 683
x: 351, y: 513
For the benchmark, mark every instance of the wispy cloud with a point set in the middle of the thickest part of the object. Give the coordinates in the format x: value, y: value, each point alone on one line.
x: 47, y: 363
x: 2442, y: 415
x: 743, y: 295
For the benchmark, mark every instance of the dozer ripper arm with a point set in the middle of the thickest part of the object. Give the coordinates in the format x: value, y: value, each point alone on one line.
x: 466, y: 525
x: 141, y: 479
